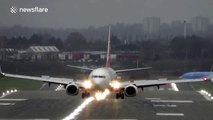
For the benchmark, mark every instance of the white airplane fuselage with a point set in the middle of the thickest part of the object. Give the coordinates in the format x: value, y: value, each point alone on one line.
x: 101, y: 78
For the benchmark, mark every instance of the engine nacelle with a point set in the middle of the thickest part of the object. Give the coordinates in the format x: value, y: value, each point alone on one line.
x: 72, y: 89
x: 130, y: 90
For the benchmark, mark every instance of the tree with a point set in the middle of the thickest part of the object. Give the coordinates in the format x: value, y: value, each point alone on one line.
x: 75, y: 41
x: 36, y: 39
x: 18, y: 43
x: 115, y: 43
x: 56, y: 42
x: 188, y: 48
x: 3, y: 41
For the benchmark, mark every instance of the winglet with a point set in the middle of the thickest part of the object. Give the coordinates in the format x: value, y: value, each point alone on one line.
x: 1, y: 73
x: 0, y: 70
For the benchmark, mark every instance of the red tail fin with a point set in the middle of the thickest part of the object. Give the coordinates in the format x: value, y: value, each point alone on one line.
x: 108, y: 49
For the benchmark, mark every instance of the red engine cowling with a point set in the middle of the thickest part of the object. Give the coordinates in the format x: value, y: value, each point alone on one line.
x: 131, y: 90
x: 72, y: 89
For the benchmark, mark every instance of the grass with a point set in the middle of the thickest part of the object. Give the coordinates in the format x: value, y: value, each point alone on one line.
x: 19, y: 84
x: 208, y: 86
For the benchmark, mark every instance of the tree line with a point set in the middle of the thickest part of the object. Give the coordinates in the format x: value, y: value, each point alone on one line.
x: 179, y: 48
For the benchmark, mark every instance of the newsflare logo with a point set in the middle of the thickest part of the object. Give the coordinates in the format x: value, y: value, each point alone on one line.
x: 13, y: 9
x: 36, y: 9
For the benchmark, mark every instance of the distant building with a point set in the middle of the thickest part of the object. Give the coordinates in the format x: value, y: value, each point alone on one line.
x: 200, y: 25
x: 35, y: 53
x: 151, y: 27
x: 7, y: 54
x: 180, y: 28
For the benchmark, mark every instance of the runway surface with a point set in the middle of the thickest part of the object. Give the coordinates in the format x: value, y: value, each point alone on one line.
x: 151, y: 104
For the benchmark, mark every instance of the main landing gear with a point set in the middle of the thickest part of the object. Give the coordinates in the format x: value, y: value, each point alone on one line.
x: 119, y: 95
x: 85, y: 95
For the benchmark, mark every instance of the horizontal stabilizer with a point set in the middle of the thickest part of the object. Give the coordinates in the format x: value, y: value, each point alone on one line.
x: 83, y: 68
x: 133, y: 69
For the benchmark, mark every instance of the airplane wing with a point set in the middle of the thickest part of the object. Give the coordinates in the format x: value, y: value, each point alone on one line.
x: 148, y: 83
x: 133, y: 69
x: 49, y: 79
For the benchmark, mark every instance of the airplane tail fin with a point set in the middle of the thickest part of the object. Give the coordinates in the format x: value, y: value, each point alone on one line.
x: 108, y: 49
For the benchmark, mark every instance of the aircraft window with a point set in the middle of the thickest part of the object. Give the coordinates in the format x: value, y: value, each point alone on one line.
x: 98, y: 76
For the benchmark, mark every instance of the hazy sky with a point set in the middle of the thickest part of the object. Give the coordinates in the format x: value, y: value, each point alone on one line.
x: 84, y: 13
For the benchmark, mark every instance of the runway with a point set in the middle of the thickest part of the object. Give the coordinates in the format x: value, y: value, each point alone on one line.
x: 151, y: 104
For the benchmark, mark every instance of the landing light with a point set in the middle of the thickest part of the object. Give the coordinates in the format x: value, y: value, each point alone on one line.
x: 87, y: 84
x: 115, y: 84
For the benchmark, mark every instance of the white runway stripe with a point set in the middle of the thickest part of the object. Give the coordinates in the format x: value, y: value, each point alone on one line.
x: 152, y: 98
x: 169, y: 114
x: 173, y: 101
x: 13, y: 99
x: 161, y: 88
x: 165, y: 105
x: 174, y: 87
x: 43, y: 85
x: 7, y: 104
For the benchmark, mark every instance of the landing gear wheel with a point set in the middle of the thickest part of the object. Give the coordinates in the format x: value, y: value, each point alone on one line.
x: 87, y: 95
x: 122, y: 96
x: 117, y: 96
x: 83, y: 95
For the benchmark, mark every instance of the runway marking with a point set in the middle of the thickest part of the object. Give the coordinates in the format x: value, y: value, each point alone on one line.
x: 43, y: 86
x: 151, y: 88
x: 169, y: 114
x: 173, y: 101
x: 13, y: 99
x: 7, y: 103
x: 161, y: 88
x: 152, y: 98
x: 165, y: 105
x: 60, y: 87
x: 174, y: 87
x: 79, y: 109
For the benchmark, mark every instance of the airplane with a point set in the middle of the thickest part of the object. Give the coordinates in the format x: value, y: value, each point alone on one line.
x: 103, y: 78
x: 197, y: 75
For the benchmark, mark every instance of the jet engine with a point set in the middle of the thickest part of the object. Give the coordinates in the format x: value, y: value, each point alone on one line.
x: 72, y: 89
x: 130, y: 90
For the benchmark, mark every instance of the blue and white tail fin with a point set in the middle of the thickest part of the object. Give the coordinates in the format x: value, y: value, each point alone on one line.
x: 108, y: 49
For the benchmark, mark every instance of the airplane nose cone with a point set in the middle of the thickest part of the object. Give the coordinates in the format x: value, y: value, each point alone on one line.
x: 97, y: 81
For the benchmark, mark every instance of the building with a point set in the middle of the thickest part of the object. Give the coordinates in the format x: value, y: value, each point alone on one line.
x: 36, y: 53
x: 151, y: 27
x: 7, y: 54
x: 200, y: 25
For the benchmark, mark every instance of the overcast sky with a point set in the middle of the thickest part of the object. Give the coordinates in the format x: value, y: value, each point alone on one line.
x: 84, y: 13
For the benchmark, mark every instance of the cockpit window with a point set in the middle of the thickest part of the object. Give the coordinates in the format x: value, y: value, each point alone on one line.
x: 98, y: 76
